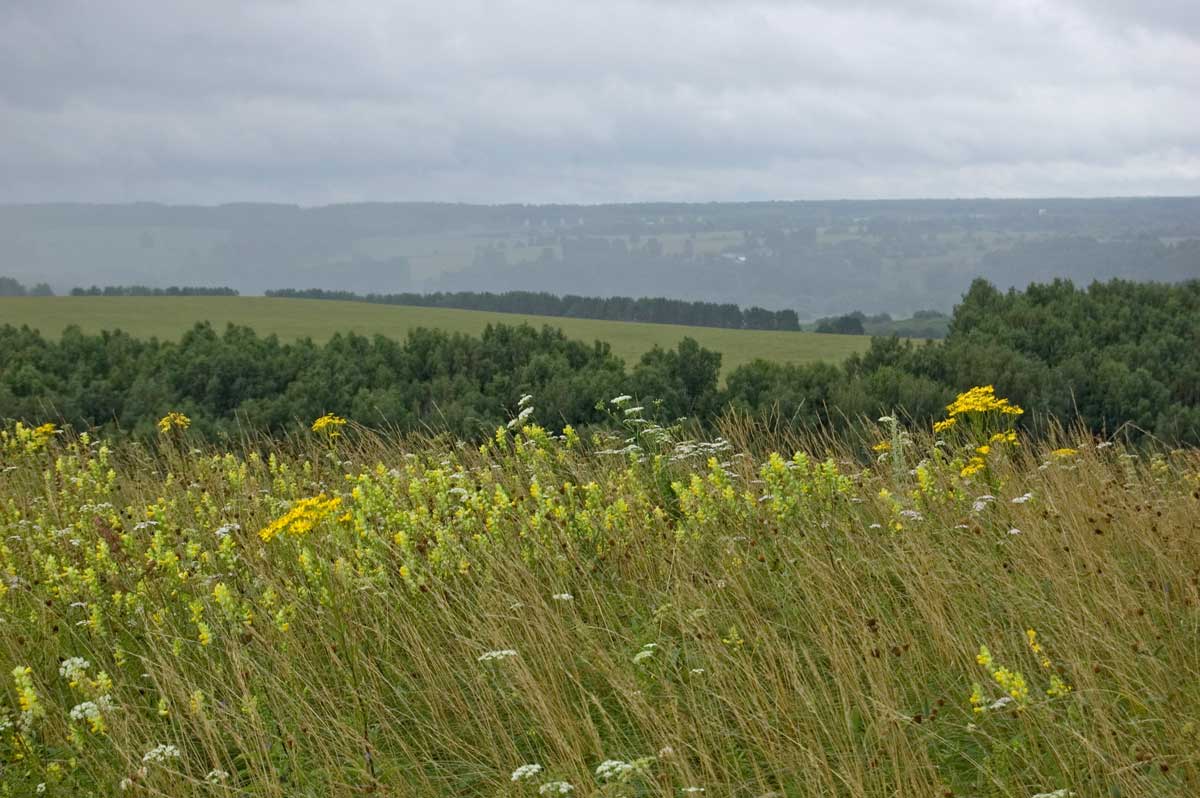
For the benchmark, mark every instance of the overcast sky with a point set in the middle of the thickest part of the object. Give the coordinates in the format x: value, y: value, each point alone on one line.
x: 596, y: 100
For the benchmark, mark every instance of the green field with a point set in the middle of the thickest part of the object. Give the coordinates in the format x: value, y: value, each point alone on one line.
x: 168, y: 317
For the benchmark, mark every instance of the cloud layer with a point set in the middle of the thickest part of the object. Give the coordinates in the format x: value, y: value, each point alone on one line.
x: 573, y: 101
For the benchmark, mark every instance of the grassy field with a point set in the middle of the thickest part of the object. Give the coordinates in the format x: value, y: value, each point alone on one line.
x: 359, y: 615
x: 168, y: 317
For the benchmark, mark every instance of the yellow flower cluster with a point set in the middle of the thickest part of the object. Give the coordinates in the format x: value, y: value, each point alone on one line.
x: 27, y: 439
x: 973, y: 466
x: 982, y: 399
x: 329, y: 425
x: 302, y: 517
x: 173, y: 420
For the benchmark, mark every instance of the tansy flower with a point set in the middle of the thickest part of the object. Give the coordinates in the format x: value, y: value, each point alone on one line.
x: 329, y: 425
x: 173, y: 421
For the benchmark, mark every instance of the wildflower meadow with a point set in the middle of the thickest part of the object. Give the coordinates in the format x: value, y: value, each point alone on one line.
x: 631, y: 611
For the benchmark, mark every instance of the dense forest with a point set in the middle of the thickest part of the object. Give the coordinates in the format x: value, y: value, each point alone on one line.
x: 1113, y: 354
x: 655, y: 310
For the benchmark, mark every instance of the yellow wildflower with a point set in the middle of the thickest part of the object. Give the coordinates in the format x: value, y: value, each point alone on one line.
x: 978, y: 702
x: 882, y: 446
x: 173, y: 421
x: 974, y: 466
x: 1013, y: 683
x: 1064, y: 452
x: 329, y: 425
x: 304, y: 515
x: 982, y: 399
x: 1058, y: 687
x: 945, y: 424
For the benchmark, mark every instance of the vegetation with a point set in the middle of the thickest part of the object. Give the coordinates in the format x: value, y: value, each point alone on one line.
x: 1115, y: 356
x: 655, y: 310
x: 11, y: 287
x: 144, y: 290
x: 626, y: 615
x: 296, y: 319
x: 928, y: 324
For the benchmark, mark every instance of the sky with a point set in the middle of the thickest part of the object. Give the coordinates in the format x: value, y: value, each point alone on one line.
x: 316, y: 102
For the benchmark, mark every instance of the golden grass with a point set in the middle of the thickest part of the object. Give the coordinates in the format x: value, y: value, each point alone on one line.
x: 815, y: 620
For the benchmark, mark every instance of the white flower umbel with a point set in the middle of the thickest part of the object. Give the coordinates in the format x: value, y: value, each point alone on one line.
x: 563, y: 597
x: 611, y: 769
x: 1022, y: 498
x: 526, y: 772
x: 1063, y: 793
x: 160, y: 754
x: 216, y: 776
x: 556, y: 788
x: 73, y: 668
x: 499, y: 654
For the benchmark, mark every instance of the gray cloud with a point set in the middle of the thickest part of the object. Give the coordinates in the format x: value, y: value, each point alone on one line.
x: 556, y: 100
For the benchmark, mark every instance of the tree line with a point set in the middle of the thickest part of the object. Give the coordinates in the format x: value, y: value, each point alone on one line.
x: 1115, y: 355
x: 654, y: 310
x: 145, y: 290
x: 10, y: 286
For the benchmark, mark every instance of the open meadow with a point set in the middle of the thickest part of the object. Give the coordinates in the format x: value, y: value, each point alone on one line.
x: 877, y: 615
x: 290, y: 319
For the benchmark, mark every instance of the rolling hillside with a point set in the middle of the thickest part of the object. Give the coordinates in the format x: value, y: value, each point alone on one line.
x: 167, y: 317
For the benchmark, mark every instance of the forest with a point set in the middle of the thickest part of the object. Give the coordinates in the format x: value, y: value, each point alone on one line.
x: 656, y: 310
x: 1115, y: 355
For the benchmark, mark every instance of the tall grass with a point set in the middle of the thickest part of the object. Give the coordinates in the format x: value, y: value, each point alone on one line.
x: 706, y: 615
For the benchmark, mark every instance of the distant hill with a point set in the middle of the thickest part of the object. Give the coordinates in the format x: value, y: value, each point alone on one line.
x: 819, y: 258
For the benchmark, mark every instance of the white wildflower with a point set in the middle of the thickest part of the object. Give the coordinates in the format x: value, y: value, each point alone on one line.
x: 875, y: 526
x: 1001, y: 702
x: 526, y: 772
x: 646, y: 653
x: 503, y: 653
x: 1063, y: 793
x: 520, y: 419
x: 691, y: 790
x: 617, y: 400
x: 88, y: 711
x: 563, y: 597
x: 1014, y: 531
x: 161, y: 753
x: 613, y: 769
x: 629, y: 411
x: 911, y: 515
x: 41, y: 788
x: 216, y: 776
x: 556, y: 788
x: 1022, y: 498
x: 665, y: 752
x: 525, y: 399
x: 697, y: 671
x: 125, y: 784
x: 73, y: 668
